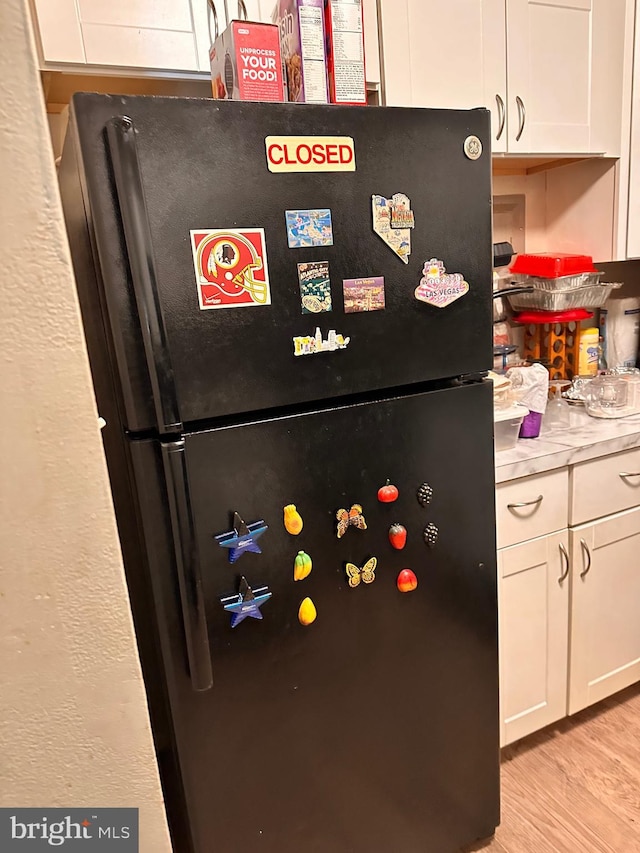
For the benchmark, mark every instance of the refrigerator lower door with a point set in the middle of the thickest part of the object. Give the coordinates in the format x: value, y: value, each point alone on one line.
x: 376, y: 727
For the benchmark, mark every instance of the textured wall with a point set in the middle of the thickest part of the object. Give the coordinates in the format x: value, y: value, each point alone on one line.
x: 74, y: 729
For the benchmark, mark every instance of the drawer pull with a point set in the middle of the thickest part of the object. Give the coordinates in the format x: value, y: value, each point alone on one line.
x: 565, y: 557
x: 538, y: 500
x: 624, y: 475
x: 585, y: 553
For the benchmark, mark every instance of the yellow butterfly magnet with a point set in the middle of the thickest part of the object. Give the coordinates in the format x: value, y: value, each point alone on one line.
x: 367, y: 574
x: 353, y: 517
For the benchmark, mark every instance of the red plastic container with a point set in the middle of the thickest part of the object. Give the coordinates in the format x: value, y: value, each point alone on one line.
x: 552, y: 265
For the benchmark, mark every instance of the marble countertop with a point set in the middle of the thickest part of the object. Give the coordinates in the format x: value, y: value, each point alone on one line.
x: 587, y: 438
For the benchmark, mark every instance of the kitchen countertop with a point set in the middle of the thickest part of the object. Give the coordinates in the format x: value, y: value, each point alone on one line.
x: 587, y: 438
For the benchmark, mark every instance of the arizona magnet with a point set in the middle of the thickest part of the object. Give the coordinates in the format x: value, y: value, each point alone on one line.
x: 438, y: 287
x: 231, y: 268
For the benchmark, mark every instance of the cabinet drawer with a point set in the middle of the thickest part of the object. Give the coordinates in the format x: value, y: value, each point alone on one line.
x: 598, y: 487
x: 531, y: 506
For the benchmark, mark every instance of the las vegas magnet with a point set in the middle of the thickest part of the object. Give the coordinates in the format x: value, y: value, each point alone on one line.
x: 393, y: 220
x: 231, y: 268
x: 438, y: 287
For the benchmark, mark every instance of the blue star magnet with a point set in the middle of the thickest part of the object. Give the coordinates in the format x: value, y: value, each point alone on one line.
x: 242, y: 538
x: 246, y: 603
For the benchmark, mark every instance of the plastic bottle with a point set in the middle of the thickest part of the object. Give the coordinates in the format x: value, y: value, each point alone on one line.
x: 588, y: 352
x: 602, y: 361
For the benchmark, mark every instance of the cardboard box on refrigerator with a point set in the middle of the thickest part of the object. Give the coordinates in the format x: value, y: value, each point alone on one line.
x: 345, y: 53
x: 302, y: 42
x: 246, y: 64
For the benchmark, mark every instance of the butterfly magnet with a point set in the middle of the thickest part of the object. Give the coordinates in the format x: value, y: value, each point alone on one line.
x: 366, y: 574
x: 347, y: 518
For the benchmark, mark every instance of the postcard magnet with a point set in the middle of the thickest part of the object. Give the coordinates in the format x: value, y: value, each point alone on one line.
x: 242, y: 538
x: 231, y: 268
x: 349, y: 518
x: 315, y: 287
x: 363, y: 294
x: 438, y: 287
x: 246, y: 603
x: 366, y: 574
x: 393, y: 220
x: 309, y: 228
x: 309, y: 345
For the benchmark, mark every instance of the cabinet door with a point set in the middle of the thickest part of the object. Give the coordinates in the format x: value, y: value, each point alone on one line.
x: 534, y: 627
x: 605, y: 619
x: 565, y: 66
x: 59, y: 31
x: 449, y: 55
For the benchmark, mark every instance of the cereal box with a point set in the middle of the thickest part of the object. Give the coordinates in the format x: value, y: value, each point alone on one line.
x: 246, y: 63
x: 302, y: 42
x: 345, y: 37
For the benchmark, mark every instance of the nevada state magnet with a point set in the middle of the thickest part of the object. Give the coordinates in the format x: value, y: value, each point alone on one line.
x: 438, y: 287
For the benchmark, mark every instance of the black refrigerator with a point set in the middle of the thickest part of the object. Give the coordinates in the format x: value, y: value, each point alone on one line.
x: 288, y: 316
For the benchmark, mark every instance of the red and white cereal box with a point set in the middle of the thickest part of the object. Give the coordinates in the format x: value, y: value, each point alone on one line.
x: 246, y: 63
x: 345, y: 55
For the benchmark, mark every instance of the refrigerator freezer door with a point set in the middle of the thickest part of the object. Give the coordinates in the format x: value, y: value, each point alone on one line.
x: 375, y: 728
x: 202, y: 165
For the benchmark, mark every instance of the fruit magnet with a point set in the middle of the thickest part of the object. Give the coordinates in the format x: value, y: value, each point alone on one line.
x: 302, y: 566
x: 398, y: 536
x: 388, y: 493
x: 430, y: 534
x: 292, y: 520
x: 438, y: 287
x: 246, y: 603
x: 424, y: 494
x: 407, y: 581
x: 366, y: 574
x: 353, y: 517
x: 242, y: 538
x: 307, y: 612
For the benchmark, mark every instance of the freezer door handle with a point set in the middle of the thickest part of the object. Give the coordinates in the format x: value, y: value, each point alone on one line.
x: 121, y: 140
x: 188, y: 565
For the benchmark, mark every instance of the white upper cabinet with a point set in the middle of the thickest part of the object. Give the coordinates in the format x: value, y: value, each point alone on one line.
x: 565, y: 67
x: 450, y: 55
x: 168, y: 36
x: 557, y: 65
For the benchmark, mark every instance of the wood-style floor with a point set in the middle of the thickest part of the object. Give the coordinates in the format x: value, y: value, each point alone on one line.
x: 574, y: 787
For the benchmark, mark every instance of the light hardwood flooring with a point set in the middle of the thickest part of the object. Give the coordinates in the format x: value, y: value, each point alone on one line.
x: 574, y: 787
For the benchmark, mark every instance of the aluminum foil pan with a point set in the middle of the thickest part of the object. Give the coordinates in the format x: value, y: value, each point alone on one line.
x: 588, y: 296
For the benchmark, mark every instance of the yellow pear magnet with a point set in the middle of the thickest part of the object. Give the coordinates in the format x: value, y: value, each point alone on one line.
x: 292, y: 520
x: 302, y: 566
x: 307, y: 612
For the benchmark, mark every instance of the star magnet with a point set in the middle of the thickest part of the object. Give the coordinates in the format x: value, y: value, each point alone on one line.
x: 246, y: 603
x: 242, y: 538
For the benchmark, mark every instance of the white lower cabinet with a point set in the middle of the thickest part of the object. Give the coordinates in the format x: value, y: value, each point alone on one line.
x: 605, y: 608
x: 534, y: 627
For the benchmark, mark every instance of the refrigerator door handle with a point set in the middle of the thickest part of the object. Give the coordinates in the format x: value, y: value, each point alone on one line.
x: 188, y: 565
x: 121, y: 140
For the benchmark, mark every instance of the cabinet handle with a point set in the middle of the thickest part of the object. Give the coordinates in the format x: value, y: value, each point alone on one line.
x: 585, y: 553
x: 565, y: 557
x: 522, y: 115
x: 502, y: 116
x: 538, y: 500
x: 211, y: 10
x: 624, y: 475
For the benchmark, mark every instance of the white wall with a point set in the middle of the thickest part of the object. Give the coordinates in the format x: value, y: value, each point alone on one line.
x: 74, y: 728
